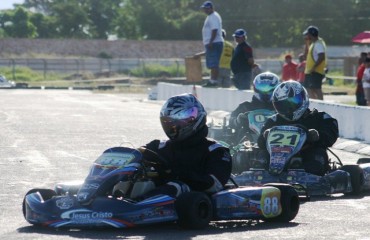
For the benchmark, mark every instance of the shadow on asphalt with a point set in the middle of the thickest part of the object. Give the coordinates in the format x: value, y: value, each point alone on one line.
x: 157, y: 231
x: 338, y: 196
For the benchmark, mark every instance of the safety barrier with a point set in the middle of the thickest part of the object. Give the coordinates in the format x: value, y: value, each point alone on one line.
x: 353, y: 120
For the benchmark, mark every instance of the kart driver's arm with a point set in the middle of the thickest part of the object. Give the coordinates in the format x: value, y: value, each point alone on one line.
x: 328, y: 131
x: 217, y: 171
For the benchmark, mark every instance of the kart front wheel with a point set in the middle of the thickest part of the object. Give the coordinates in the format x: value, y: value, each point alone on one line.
x: 357, y: 178
x: 289, y: 203
x: 194, y: 210
x: 45, y: 194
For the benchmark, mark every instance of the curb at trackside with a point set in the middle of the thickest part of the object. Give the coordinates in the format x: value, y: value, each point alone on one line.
x: 344, y: 144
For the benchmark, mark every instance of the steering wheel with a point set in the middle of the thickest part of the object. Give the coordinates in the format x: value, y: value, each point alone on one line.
x: 153, y: 159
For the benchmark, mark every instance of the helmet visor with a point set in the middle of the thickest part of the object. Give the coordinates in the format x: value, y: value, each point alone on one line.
x: 286, y: 108
x: 178, y: 123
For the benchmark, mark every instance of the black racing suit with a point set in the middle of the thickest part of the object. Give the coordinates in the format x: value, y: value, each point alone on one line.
x: 314, y: 155
x: 202, y: 164
x: 242, y: 128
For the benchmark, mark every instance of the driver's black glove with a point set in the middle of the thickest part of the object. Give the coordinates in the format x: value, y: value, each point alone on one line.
x: 242, y: 120
x: 266, y: 133
x: 313, y: 135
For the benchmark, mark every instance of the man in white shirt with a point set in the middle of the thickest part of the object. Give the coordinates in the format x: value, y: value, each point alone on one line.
x: 212, y: 41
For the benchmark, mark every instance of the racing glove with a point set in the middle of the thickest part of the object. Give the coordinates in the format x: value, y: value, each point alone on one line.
x: 242, y: 120
x: 313, y: 135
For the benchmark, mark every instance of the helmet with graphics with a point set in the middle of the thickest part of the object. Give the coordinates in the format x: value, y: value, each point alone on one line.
x: 182, y: 116
x: 290, y: 100
x: 264, y: 85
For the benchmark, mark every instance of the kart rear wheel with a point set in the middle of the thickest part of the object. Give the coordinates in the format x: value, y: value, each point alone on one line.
x: 363, y: 160
x: 194, y: 210
x: 289, y: 203
x: 45, y: 193
x: 357, y: 178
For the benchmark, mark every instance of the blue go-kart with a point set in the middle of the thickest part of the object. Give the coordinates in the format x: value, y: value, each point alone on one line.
x: 285, y: 165
x: 111, y: 195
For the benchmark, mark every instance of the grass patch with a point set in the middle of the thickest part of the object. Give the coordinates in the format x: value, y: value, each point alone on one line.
x: 25, y: 74
x: 156, y: 70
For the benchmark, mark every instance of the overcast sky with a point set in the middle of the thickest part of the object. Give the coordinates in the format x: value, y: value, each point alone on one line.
x: 8, y: 4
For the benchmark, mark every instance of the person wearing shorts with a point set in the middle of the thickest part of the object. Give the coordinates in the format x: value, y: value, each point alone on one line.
x: 212, y: 41
x: 313, y: 81
x: 315, y: 63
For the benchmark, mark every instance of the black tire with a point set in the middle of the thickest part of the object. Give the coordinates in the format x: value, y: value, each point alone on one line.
x: 363, y: 160
x: 289, y: 203
x: 194, y: 210
x: 45, y: 193
x: 357, y: 178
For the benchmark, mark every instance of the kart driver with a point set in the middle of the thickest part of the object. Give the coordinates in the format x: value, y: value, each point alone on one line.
x: 263, y: 86
x: 194, y: 161
x: 291, y: 102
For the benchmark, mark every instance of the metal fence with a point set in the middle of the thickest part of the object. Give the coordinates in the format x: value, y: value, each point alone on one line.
x: 98, y: 65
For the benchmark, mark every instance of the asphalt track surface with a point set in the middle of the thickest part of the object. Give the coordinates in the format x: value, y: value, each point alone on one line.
x: 48, y: 136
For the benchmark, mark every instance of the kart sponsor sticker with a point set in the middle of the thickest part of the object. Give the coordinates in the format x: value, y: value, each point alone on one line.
x: 64, y: 203
x: 270, y: 202
x: 283, y: 149
x: 90, y: 186
x: 83, y: 216
x: 157, y: 214
x: 239, y: 203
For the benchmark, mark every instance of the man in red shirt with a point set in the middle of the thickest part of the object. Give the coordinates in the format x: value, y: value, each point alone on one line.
x: 289, y: 71
x: 360, y: 97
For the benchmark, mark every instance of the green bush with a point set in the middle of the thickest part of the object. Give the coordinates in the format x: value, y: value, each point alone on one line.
x: 26, y: 74
x: 339, y: 82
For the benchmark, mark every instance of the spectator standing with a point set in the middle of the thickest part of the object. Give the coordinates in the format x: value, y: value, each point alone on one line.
x: 212, y: 41
x: 315, y: 63
x: 366, y: 80
x: 242, y: 61
x: 360, y: 95
x: 289, y: 71
x: 224, y: 71
x: 300, y: 68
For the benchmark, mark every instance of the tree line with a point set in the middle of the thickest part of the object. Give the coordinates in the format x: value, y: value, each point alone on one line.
x: 269, y: 23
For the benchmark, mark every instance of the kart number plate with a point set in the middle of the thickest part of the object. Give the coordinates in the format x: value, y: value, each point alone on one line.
x: 283, y: 138
x: 115, y: 159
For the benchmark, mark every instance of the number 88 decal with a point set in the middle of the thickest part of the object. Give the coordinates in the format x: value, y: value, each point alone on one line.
x: 271, y: 206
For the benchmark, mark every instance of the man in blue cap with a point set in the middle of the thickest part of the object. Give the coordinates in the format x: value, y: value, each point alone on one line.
x: 212, y: 41
x: 242, y: 61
